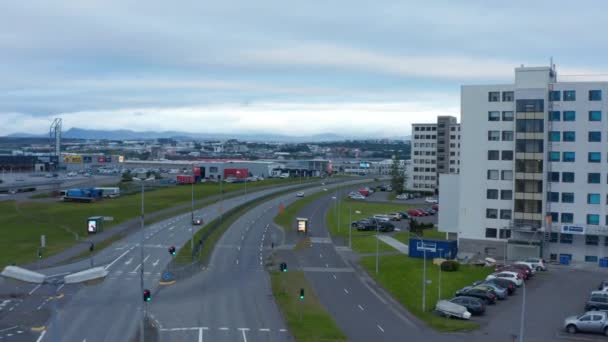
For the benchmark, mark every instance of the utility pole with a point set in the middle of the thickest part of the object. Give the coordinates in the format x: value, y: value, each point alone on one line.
x: 441, y: 257
x: 377, y: 245
x: 523, y: 313
x: 143, y: 307
x: 424, y: 279
x: 192, y: 224
x: 350, y: 230
x: 339, y: 209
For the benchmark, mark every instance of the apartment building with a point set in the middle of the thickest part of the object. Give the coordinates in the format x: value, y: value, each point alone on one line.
x: 534, y: 170
x: 435, y: 150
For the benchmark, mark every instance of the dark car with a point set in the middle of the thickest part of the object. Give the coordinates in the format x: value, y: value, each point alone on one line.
x: 597, y: 301
x: 487, y: 296
x: 429, y: 211
x: 197, y: 221
x: 603, y: 285
x: 474, y: 305
x: 507, y: 284
x: 368, y: 224
x: 386, y: 227
x: 404, y: 215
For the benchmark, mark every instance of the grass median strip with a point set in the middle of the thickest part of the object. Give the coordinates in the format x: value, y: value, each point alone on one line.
x: 402, y: 277
x: 287, y: 218
x: 316, y: 323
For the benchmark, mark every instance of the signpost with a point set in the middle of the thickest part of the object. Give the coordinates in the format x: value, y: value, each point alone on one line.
x: 302, y: 225
x: 42, y: 241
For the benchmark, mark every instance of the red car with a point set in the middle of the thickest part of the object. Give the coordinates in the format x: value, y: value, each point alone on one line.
x: 422, y: 212
x: 435, y: 207
x: 521, y: 272
x: 413, y: 212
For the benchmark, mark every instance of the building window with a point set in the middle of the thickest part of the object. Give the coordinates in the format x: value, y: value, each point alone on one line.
x: 507, y: 96
x: 506, y: 194
x: 567, y: 197
x: 493, y: 116
x: 593, y: 178
x: 594, y: 157
x: 592, y: 240
x: 530, y: 125
x: 493, y: 155
x: 492, y: 194
x: 553, y: 196
x: 553, y: 237
x: 507, y: 135
x: 554, y: 95
x: 505, y: 233
x: 568, y: 157
x: 569, y: 136
x: 554, y: 217
x: 507, y: 115
x: 494, y: 96
x: 529, y: 145
x: 595, y: 136
x: 565, y: 238
x: 553, y: 177
x: 593, y: 198
x: 569, y: 115
x: 593, y: 219
x: 493, y: 174
x: 491, y: 213
x: 554, y: 116
x: 595, y: 95
x: 569, y: 95
x: 554, y: 136
x: 595, y: 115
x: 507, y: 155
x: 506, y: 175
x: 554, y: 156
x: 567, y: 217
x: 568, y: 177
x: 493, y: 135
x: 591, y: 258
x: 505, y: 214
x: 491, y: 232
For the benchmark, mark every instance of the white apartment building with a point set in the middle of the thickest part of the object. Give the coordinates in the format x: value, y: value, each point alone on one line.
x: 435, y: 150
x: 534, y: 170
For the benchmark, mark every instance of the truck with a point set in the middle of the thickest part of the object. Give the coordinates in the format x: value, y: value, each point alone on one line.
x: 236, y: 173
x: 185, y: 179
x: 110, y: 192
x: 82, y: 195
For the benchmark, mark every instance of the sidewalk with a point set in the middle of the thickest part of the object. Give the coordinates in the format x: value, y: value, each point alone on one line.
x: 396, y: 244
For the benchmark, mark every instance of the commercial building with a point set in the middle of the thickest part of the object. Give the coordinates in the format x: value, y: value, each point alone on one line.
x: 435, y: 150
x: 534, y: 170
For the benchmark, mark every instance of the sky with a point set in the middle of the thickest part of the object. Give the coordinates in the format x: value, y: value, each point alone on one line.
x: 368, y: 68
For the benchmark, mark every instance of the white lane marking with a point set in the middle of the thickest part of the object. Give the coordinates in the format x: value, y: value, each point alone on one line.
x: 136, y: 268
x: 41, y: 336
x: 283, y: 330
x: 237, y: 261
x: 379, y: 327
x: 244, y: 335
x: 264, y: 329
x: 146, y: 258
x: 200, y: 335
x: 129, y: 261
x: 60, y: 287
x: 327, y: 265
x: 156, y: 262
x: 11, y: 328
x: 171, y: 228
x: 115, y: 260
x: 360, y: 307
x: 334, y: 276
x: 320, y: 255
x: 223, y: 328
x: 345, y: 290
x: 34, y: 289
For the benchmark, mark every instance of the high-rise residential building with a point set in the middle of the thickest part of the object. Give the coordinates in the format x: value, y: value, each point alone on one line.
x: 534, y: 170
x: 435, y: 150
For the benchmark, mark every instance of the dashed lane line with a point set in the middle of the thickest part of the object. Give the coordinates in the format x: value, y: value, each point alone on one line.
x: 379, y: 327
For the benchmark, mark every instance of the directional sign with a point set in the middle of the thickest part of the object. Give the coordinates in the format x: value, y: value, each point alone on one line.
x: 167, y: 276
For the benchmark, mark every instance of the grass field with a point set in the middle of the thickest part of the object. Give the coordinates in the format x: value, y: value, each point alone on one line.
x: 402, y: 277
x: 316, y: 323
x: 22, y: 223
x: 289, y: 214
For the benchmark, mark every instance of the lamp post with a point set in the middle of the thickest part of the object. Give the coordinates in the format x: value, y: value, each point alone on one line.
x: 423, y: 272
x: 523, y: 313
x: 377, y: 245
x: 192, y: 224
x: 439, y: 288
x: 350, y: 229
x: 141, y: 273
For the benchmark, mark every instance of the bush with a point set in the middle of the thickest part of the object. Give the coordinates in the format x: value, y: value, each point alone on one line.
x: 450, y: 266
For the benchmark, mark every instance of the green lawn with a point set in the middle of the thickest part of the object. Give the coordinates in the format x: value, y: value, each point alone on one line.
x: 427, y: 234
x: 22, y: 223
x: 289, y: 214
x: 316, y: 323
x: 402, y: 277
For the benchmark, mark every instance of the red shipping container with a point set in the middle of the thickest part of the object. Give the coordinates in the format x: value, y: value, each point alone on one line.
x: 197, y: 171
x: 185, y: 179
x: 236, y: 173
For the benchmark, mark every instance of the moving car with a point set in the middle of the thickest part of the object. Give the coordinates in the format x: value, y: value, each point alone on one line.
x: 487, y: 296
x: 591, y: 321
x: 449, y: 309
x: 474, y: 305
x: 300, y: 194
x: 512, y: 276
x: 197, y: 221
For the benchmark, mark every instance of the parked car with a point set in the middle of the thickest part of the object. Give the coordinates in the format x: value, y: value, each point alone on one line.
x: 435, y: 207
x: 591, y: 321
x: 357, y: 197
x: 386, y: 227
x: 598, y: 300
x: 512, y: 276
x: 524, y: 273
x: 381, y: 217
x: 603, y: 285
x: 431, y: 200
x: 404, y: 215
x: 504, y: 283
x: 422, y: 212
x: 429, y: 211
x: 449, y: 309
x: 394, y: 216
x: 413, y: 212
x: 402, y: 197
x: 538, y: 263
x: 530, y: 266
x: 501, y: 292
x: 474, y: 305
x: 487, y: 296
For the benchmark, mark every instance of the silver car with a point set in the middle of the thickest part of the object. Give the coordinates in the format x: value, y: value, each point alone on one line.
x: 591, y: 321
x: 500, y: 291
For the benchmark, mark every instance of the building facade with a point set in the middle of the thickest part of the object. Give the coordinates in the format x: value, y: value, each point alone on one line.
x: 435, y: 150
x: 534, y: 169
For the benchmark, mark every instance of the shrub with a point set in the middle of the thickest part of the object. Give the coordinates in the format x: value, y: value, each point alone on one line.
x: 450, y: 266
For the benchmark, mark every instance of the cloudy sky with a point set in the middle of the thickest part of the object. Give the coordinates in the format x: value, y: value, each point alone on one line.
x: 287, y: 67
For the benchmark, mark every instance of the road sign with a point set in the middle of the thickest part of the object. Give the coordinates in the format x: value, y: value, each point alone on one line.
x: 167, y: 276
x: 43, y: 241
x: 302, y: 224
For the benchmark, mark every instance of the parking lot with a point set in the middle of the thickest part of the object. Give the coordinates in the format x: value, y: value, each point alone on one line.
x: 551, y: 296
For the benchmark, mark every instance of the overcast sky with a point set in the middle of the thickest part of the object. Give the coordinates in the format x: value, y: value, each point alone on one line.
x: 287, y: 67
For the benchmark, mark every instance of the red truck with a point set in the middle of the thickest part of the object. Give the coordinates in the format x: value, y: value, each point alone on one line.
x: 236, y: 173
x: 185, y: 179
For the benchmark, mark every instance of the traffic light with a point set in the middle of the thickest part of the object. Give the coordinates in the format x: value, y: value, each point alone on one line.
x: 301, y: 294
x: 147, y: 295
x: 39, y: 254
x: 172, y: 250
x: 283, y: 267
x: 91, y: 247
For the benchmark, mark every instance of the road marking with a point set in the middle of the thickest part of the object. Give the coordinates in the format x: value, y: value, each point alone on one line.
x: 41, y: 336
x: 327, y: 265
x: 345, y: 290
x: 129, y: 261
x: 200, y: 335
x: 171, y: 228
x: 244, y: 335
x: 360, y: 307
x: 34, y: 290
x: 237, y: 261
x: 265, y: 329
x: 156, y: 262
x: 11, y: 328
x: 115, y: 260
x: 136, y: 268
x: 283, y: 330
x: 320, y: 255
x: 223, y: 328
x: 146, y: 258
x: 379, y: 327
x: 60, y: 287
x: 335, y: 276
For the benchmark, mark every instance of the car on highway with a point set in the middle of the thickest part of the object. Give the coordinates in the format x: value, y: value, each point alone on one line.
x: 197, y: 221
x: 300, y: 194
x: 504, y: 283
x: 473, y: 304
x: 431, y: 200
x: 591, y: 321
x: 598, y: 300
x: 472, y: 291
x: 512, y: 276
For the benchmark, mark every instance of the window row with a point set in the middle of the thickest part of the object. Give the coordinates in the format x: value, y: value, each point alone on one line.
x: 496, y: 155
x: 593, y: 219
x: 424, y: 144
x: 494, y: 96
x: 495, y: 116
x: 505, y: 214
x: 570, y: 95
x: 424, y: 169
x: 425, y: 128
x: 504, y: 194
x: 570, y: 136
x: 568, y: 177
x: 592, y: 157
x: 424, y: 178
x: 427, y: 136
x: 424, y: 161
x: 492, y: 233
x: 425, y: 153
x: 496, y: 135
x: 570, y: 115
x: 504, y: 174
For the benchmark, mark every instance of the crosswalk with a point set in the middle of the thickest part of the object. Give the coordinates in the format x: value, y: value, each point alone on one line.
x: 223, y: 333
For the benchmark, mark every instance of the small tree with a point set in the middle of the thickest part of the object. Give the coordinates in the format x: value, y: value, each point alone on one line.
x: 416, y: 227
x: 127, y: 177
x: 397, y: 178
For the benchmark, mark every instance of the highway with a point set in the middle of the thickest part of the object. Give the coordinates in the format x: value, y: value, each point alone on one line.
x: 110, y: 311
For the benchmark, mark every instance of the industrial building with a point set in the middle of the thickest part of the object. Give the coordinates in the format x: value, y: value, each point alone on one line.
x: 534, y: 170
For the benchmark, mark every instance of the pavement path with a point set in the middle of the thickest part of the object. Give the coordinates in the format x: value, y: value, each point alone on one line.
x: 396, y: 244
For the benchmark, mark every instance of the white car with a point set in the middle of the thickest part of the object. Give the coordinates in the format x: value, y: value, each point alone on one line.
x: 357, y: 197
x: 531, y: 265
x: 383, y: 218
x: 537, y: 263
x: 431, y: 200
x: 300, y: 194
x: 512, y: 276
x: 402, y: 197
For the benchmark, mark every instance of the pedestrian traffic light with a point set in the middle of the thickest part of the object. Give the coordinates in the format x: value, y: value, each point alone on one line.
x: 91, y: 247
x: 283, y: 267
x: 147, y: 295
x: 172, y: 250
x: 301, y: 294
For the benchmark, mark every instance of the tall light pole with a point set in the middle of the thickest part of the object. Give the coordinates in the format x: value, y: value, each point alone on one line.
x: 423, y: 272
x: 377, y: 245
x: 350, y: 229
x: 523, y: 313
x: 141, y: 273
x: 192, y: 223
x: 441, y: 257
x: 339, y: 208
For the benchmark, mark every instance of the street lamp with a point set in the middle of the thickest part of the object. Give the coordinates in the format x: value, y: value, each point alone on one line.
x: 523, y: 312
x: 439, y: 288
x: 192, y: 217
x: 423, y: 271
